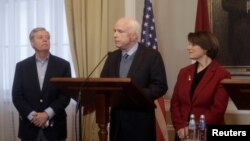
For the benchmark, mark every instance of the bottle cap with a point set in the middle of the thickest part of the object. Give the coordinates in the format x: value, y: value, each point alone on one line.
x: 202, y: 116
x: 192, y: 116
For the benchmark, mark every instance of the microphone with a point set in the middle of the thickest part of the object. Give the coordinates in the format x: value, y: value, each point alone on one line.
x: 79, y: 100
x: 97, y: 65
x: 82, y: 85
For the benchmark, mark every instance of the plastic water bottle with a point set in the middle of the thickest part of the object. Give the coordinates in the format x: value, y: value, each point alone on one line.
x: 192, y: 128
x: 202, y: 129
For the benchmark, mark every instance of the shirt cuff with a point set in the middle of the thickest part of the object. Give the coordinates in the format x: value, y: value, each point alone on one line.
x: 30, y: 116
x: 248, y: 6
x: 50, y: 112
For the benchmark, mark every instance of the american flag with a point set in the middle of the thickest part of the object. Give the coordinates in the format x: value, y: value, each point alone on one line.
x: 148, y: 39
x: 148, y: 34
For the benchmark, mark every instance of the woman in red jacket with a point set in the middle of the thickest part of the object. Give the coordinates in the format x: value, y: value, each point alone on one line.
x: 198, y: 89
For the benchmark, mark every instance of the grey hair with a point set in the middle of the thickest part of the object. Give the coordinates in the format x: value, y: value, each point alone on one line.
x: 134, y: 26
x: 33, y: 31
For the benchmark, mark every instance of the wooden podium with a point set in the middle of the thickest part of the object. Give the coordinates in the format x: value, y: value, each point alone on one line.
x: 104, y: 93
x: 239, y: 92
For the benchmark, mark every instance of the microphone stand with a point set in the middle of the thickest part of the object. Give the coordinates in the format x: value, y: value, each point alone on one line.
x: 79, y: 105
x: 79, y: 101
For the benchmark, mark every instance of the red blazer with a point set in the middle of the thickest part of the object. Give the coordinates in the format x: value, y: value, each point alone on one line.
x: 210, y: 97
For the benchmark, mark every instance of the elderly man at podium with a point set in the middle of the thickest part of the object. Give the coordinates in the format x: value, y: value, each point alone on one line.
x: 146, y: 69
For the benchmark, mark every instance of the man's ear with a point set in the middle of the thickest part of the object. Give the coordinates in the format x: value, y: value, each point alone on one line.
x: 31, y: 43
x: 133, y: 36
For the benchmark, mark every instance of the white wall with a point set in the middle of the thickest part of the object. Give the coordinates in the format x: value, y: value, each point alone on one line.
x: 176, y: 23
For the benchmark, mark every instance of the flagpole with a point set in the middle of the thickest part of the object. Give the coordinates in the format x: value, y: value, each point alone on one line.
x: 148, y: 39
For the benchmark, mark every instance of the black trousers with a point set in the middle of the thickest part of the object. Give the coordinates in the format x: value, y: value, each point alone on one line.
x: 41, y: 137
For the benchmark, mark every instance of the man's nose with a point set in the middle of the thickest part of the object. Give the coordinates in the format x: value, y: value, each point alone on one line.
x: 115, y: 34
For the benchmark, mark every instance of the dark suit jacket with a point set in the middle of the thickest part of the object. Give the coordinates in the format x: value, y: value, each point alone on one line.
x: 147, y: 71
x: 210, y: 97
x: 27, y: 97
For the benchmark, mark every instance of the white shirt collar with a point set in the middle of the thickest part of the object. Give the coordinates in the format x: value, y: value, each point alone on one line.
x: 131, y: 50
